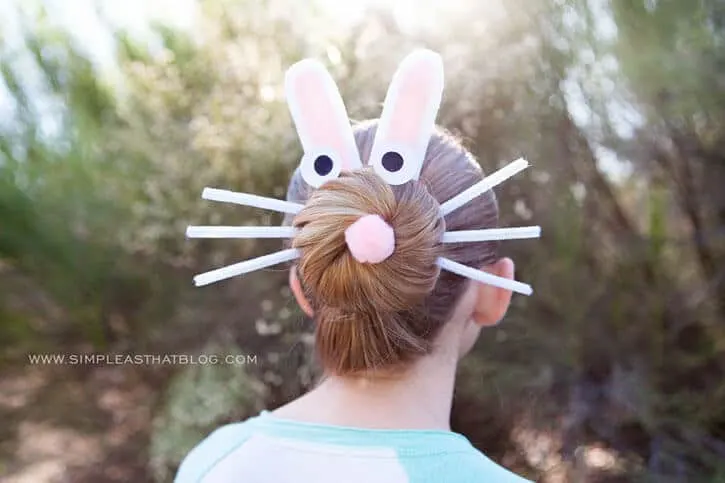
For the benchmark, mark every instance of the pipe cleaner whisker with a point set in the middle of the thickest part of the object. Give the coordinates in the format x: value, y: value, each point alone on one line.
x: 247, y: 266
x: 491, y: 234
x: 490, y: 181
x: 255, y: 201
x: 241, y: 232
x: 484, y: 277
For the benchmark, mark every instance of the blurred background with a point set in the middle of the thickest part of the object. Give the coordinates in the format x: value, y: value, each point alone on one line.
x: 115, y: 115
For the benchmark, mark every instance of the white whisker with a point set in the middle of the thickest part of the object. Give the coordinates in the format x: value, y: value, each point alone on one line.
x: 246, y: 266
x: 483, y: 277
x: 484, y: 185
x: 490, y: 234
x: 240, y: 232
x: 254, y: 201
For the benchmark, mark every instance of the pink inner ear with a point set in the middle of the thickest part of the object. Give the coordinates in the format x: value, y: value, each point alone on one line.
x: 414, y: 92
x: 323, y: 121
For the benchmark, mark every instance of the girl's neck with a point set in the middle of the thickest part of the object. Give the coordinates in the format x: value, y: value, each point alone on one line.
x: 419, y: 398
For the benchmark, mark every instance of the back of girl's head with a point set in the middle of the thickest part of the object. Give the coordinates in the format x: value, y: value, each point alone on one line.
x: 384, y: 316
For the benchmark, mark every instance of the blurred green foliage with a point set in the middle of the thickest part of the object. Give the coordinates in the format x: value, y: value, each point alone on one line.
x: 619, y: 105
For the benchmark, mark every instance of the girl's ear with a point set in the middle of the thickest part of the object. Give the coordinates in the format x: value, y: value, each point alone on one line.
x: 493, y: 302
x: 296, y: 287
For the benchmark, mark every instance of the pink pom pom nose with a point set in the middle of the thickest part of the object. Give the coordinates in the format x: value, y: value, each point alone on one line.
x: 370, y: 239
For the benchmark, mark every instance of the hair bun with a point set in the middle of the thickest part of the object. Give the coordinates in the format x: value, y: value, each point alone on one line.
x: 365, y: 246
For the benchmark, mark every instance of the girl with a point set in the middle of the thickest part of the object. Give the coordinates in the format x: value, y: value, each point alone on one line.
x: 389, y: 225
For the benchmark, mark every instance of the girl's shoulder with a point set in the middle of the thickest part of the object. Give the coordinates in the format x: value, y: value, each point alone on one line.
x: 210, y: 451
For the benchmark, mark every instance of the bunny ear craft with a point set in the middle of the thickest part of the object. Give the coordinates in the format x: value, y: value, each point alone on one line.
x: 408, y: 119
x: 322, y: 124
x: 406, y: 126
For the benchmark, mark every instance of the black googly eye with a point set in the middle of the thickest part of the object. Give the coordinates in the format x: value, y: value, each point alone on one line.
x: 392, y: 161
x: 319, y: 167
x: 323, y: 165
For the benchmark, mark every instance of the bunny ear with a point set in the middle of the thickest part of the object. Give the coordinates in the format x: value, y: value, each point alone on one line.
x: 321, y: 121
x: 408, y: 118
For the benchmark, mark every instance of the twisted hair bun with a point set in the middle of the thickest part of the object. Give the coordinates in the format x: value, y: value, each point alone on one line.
x: 336, y: 278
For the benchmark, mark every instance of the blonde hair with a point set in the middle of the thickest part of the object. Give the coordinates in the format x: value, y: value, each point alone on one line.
x: 373, y: 317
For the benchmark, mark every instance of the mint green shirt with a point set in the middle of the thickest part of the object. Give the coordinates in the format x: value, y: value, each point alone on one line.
x: 273, y: 450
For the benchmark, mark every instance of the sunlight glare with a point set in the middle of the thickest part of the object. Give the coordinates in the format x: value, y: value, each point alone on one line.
x: 411, y: 14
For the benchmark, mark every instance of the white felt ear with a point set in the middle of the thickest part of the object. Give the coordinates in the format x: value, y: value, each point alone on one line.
x: 321, y: 121
x: 408, y: 119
